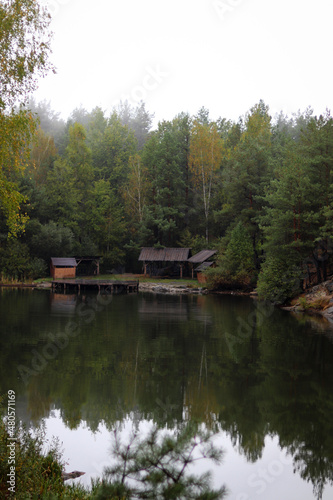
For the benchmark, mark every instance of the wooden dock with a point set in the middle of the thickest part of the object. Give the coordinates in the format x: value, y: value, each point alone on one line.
x: 102, y: 286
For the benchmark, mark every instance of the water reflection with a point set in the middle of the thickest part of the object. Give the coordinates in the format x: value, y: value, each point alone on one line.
x: 241, y: 367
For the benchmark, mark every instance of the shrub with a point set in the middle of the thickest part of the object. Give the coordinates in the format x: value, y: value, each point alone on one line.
x: 221, y: 279
x: 38, y: 268
x: 14, y: 260
x: 37, y: 475
x: 277, y: 282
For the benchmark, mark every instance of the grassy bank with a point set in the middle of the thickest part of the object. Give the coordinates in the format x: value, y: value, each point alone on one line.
x: 33, y: 472
x: 130, y: 277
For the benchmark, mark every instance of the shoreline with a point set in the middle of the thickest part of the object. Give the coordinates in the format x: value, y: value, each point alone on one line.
x: 171, y: 288
x: 317, y: 301
x: 160, y: 287
x: 18, y: 285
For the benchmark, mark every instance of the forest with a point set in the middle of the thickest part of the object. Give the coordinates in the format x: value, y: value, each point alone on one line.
x: 258, y: 190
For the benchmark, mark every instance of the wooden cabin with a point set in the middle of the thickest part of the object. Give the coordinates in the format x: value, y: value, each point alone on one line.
x: 164, y: 261
x: 200, y: 262
x: 63, y: 267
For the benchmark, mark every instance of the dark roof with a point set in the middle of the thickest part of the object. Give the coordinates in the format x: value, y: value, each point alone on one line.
x: 164, y: 254
x: 88, y: 257
x: 63, y: 261
x: 203, y: 266
x: 202, y: 256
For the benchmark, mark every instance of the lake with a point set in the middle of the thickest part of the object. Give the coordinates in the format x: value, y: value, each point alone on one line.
x: 260, y: 377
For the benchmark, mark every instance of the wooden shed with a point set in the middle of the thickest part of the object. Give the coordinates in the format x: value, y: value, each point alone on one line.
x: 164, y: 261
x: 63, y: 267
x: 202, y: 278
x: 201, y: 261
x: 88, y: 265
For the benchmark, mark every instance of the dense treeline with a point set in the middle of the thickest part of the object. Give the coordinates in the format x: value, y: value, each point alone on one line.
x: 259, y: 190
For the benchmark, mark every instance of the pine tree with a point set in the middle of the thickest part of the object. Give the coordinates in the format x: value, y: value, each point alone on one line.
x: 165, y: 157
x: 157, y: 467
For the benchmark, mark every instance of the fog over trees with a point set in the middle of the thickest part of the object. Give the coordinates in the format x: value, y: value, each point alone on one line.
x: 109, y: 184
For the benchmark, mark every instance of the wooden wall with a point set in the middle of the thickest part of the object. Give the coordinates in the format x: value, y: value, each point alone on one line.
x: 63, y: 272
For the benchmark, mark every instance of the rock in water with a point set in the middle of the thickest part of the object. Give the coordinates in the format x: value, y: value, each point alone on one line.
x: 71, y: 475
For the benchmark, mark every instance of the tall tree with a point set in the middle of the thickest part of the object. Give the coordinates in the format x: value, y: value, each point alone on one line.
x: 248, y: 171
x: 165, y: 157
x: 24, y: 49
x: 116, y: 147
x: 24, y: 52
x: 137, y: 119
x: 106, y: 222
x: 290, y: 223
x: 206, y: 150
x: 136, y: 189
x: 316, y: 143
x: 49, y: 120
x: 69, y: 183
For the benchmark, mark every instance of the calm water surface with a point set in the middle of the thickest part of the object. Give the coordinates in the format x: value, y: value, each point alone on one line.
x: 260, y: 377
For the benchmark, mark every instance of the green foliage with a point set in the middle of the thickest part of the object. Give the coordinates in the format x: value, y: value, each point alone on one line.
x: 235, y: 270
x: 159, y: 465
x: 17, y: 131
x: 221, y: 279
x: 14, y: 260
x: 38, y: 268
x: 37, y: 474
x: 303, y: 303
x: 239, y: 253
x: 50, y: 240
x: 24, y: 50
x: 165, y: 160
x: 277, y: 282
x: 195, y: 242
x: 139, y: 120
x: 265, y: 192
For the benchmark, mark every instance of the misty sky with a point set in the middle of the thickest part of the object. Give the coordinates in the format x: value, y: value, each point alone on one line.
x: 180, y: 55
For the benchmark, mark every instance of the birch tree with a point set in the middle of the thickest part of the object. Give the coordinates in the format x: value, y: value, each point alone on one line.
x: 206, y: 151
x: 24, y: 52
x: 136, y: 188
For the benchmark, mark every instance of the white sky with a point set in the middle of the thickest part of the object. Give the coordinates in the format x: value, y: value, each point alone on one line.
x: 179, y: 55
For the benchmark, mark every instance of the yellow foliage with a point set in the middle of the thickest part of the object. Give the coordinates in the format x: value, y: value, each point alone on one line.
x: 206, y: 153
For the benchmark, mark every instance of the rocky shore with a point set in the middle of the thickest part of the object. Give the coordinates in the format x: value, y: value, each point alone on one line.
x: 170, y: 288
x: 318, y: 300
x: 165, y: 288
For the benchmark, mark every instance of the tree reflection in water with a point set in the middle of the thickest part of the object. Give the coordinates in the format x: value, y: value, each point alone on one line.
x: 174, y: 358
